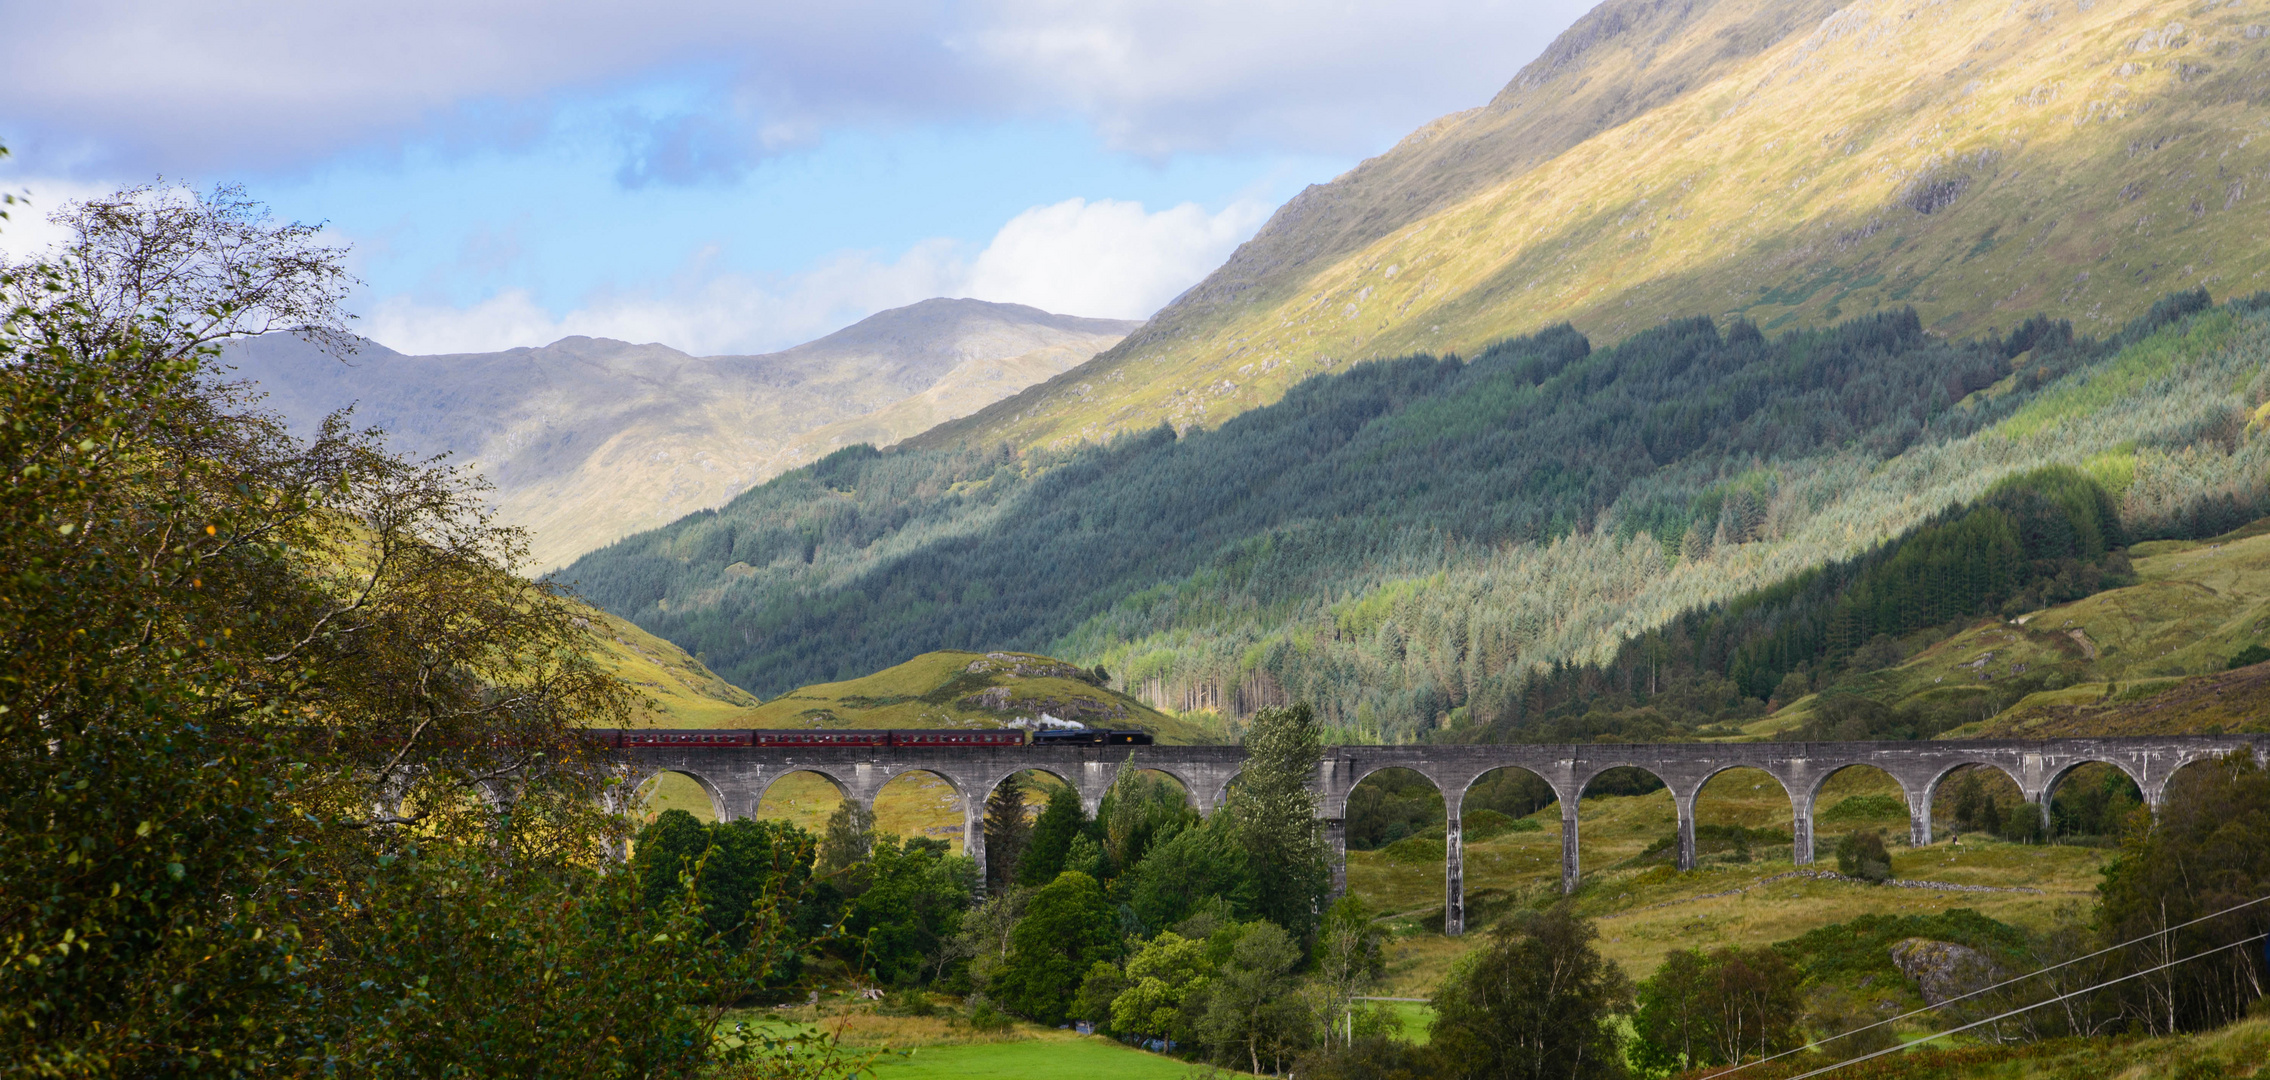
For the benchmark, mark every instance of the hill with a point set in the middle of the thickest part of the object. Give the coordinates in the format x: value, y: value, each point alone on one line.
x: 964, y: 689
x: 681, y: 692
x: 589, y: 439
x: 2143, y: 659
x: 1420, y: 544
x: 1789, y: 163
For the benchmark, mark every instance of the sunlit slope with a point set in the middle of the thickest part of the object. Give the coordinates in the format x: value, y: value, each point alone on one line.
x: 964, y: 689
x: 681, y: 692
x: 1979, y: 160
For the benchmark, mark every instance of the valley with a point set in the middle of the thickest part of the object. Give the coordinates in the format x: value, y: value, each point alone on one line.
x: 1807, y: 372
x: 1401, y: 609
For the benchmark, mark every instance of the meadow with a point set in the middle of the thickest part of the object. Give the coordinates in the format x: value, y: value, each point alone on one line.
x: 1737, y: 896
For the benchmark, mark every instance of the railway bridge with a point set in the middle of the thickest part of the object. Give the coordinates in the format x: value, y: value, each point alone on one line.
x: 736, y: 777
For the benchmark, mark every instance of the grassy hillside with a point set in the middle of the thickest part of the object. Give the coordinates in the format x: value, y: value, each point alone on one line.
x: 964, y: 689
x: 1975, y: 159
x: 1736, y: 896
x: 681, y: 692
x: 1413, y: 545
x: 2148, y: 658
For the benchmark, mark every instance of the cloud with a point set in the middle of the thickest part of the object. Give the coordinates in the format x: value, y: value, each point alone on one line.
x: 1105, y: 258
x: 132, y: 86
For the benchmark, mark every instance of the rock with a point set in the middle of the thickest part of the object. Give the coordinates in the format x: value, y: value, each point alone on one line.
x: 1942, y: 969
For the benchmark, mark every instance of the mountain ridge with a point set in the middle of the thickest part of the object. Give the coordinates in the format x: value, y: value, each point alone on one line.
x: 1978, y: 161
x: 589, y: 439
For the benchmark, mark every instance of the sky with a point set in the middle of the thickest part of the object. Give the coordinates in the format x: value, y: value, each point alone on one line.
x: 733, y: 177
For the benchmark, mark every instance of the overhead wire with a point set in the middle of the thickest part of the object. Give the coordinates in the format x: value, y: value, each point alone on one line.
x: 2029, y: 1008
x: 2008, y: 982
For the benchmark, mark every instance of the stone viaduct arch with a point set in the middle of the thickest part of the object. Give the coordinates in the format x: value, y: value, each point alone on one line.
x: 737, y: 776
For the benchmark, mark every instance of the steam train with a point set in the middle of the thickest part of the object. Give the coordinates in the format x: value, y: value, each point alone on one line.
x: 627, y: 738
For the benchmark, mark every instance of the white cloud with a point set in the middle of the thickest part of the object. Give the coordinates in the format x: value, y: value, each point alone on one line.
x: 231, y: 84
x: 1105, y: 258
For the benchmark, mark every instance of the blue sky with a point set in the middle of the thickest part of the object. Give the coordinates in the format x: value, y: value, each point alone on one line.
x: 732, y: 177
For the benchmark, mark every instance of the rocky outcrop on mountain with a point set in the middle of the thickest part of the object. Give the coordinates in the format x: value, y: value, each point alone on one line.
x: 1942, y: 970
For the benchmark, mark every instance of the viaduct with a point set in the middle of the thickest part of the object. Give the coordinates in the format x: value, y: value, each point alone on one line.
x: 736, y: 777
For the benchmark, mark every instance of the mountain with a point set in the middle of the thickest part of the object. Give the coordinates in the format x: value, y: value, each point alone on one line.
x: 1791, y: 163
x: 1434, y: 543
x: 590, y: 439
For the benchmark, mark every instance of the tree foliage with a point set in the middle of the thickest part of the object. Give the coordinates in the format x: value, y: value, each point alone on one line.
x: 2209, y: 849
x: 1060, y: 823
x: 1067, y: 927
x: 296, y: 776
x: 1534, y: 1002
x: 1272, y: 809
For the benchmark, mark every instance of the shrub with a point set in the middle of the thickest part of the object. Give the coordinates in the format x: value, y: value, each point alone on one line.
x: 1476, y: 826
x: 984, y: 1017
x: 1862, y: 855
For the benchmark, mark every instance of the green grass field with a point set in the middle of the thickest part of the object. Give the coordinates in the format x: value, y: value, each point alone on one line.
x: 945, y: 689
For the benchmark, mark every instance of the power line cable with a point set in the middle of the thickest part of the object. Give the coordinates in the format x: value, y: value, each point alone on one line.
x: 2007, y: 982
x: 2029, y: 1008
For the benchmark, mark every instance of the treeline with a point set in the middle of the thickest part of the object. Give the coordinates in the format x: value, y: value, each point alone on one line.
x: 2044, y: 537
x: 1211, y: 934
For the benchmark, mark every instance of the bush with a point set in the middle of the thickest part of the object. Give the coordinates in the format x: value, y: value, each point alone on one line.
x: 2248, y: 657
x: 908, y: 1003
x: 1862, y: 855
x: 1379, y: 1057
x: 984, y: 1017
x: 1417, y: 849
